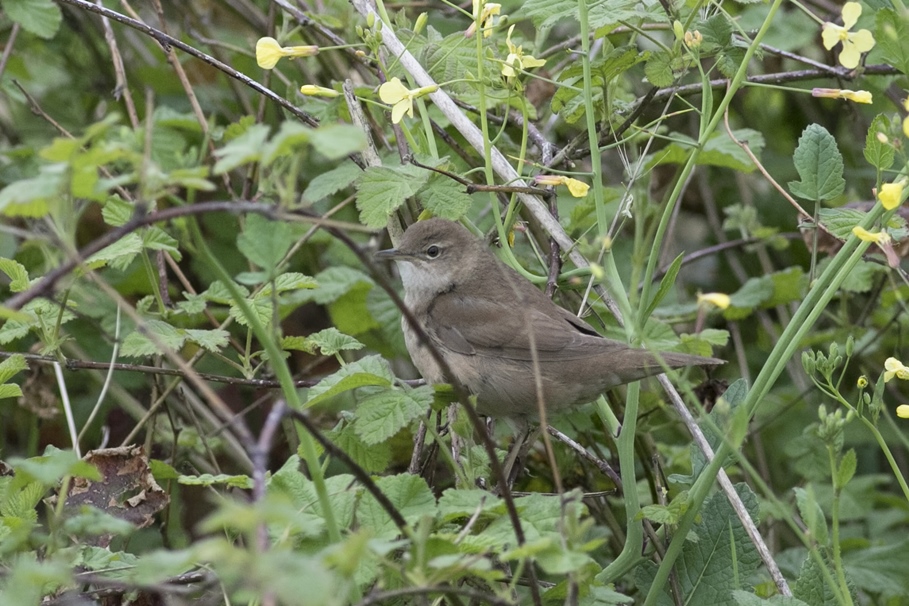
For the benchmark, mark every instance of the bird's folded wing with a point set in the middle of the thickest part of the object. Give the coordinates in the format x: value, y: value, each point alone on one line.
x: 482, y: 326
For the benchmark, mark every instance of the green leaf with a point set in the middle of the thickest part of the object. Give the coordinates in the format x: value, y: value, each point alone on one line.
x: 371, y: 370
x: 846, y: 469
x: 713, y: 566
x: 373, y: 458
x: 290, y: 481
x: 213, y: 340
x: 265, y: 242
x: 18, y: 275
x: 52, y: 466
x: 382, y: 415
x: 444, y: 198
x: 465, y: 502
x: 820, y: 165
x: 666, y: 285
x: 334, y: 282
x: 11, y: 366
x: 719, y: 150
x: 155, y: 238
x: 9, y: 390
x: 749, y: 297
x: 840, y: 221
x: 116, y: 212
x: 39, y: 17
x: 261, y: 308
x: 336, y: 141
x: 880, y: 569
x: 119, y: 254
x: 659, y: 69
x: 879, y: 154
x: 290, y: 136
x: 244, y: 149
x: 30, y: 197
x: 409, y: 494
x: 892, y: 36
x: 331, y: 341
x: 207, y: 479
x: 382, y: 189
x: 139, y: 343
x: 287, y: 282
x: 812, y: 514
x: 330, y: 182
x: 743, y: 598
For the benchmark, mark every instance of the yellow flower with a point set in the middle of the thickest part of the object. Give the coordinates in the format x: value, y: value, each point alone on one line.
x: 891, y: 195
x: 854, y: 44
x: 856, y: 96
x: 718, y: 299
x: 311, y: 90
x: 902, y: 411
x: 895, y: 368
x: 576, y: 187
x: 269, y: 52
x: 878, y: 237
x: 486, y: 20
x: 862, y: 382
x: 517, y: 60
x: 401, y: 98
x: 693, y: 39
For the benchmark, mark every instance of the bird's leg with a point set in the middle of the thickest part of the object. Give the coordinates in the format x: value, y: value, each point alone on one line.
x: 524, y: 440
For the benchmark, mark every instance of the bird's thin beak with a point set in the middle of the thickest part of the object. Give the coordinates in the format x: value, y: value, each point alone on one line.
x: 391, y: 254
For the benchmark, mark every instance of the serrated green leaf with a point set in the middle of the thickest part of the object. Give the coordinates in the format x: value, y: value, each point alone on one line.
x: 18, y: 275
x: 139, y: 343
x: 382, y: 415
x: 820, y: 165
x: 331, y: 341
x: 409, y: 494
x: 242, y: 150
x: 155, y: 238
x: 371, y: 370
x: 465, y: 502
x: 265, y: 242
x: 49, y: 468
x: 29, y: 197
x: 116, y: 212
x: 336, y: 141
x: 719, y: 150
x: 119, y: 254
x: 287, y: 282
x: 743, y: 598
x: 659, y: 70
x: 812, y: 514
x: 382, y: 189
x: 444, y: 198
x: 880, y: 569
x: 11, y: 366
x: 749, y: 297
x: 262, y: 308
x: 371, y: 458
x: 332, y: 181
x: 334, y: 282
x: 879, y: 154
x: 10, y: 390
x: 213, y: 340
x: 892, y: 36
x: 846, y: 469
x: 39, y: 17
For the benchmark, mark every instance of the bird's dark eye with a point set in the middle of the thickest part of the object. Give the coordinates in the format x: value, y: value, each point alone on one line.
x: 433, y: 251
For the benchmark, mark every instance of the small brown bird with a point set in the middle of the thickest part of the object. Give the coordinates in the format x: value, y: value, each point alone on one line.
x: 494, y: 328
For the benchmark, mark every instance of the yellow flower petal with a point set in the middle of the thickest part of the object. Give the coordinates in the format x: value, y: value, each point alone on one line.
x: 865, y: 235
x: 902, y: 411
x: 268, y: 52
x: 906, y: 126
x: 576, y: 188
x: 393, y: 91
x: 863, y: 40
x: 717, y: 299
x: 830, y: 35
x: 851, y: 12
x: 400, y: 108
x: 891, y: 195
x: 895, y: 368
x: 849, y: 56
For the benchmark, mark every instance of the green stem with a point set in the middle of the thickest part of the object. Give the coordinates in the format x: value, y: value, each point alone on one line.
x: 282, y: 372
x: 835, y: 531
